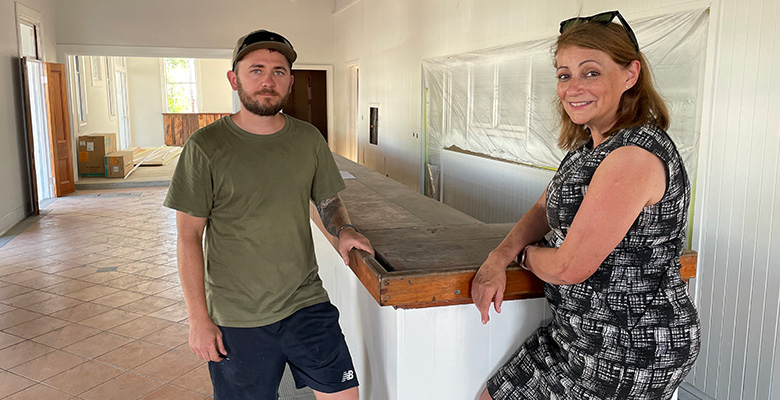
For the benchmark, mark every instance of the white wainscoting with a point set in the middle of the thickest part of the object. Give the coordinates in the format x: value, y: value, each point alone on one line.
x: 490, y: 190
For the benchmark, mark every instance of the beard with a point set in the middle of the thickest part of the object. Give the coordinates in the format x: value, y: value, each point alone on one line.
x: 255, y: 107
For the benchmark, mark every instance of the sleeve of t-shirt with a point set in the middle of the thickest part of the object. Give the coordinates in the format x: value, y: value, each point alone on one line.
x: 327, y: 178
x: 191, y: 189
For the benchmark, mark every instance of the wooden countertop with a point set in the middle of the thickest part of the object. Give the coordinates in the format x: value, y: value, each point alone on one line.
x: 426, y: 252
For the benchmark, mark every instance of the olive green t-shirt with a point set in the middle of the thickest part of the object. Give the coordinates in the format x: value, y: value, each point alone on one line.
x: 255, y: 191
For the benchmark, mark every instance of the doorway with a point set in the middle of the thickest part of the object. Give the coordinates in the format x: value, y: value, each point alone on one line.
x: 308, y: 99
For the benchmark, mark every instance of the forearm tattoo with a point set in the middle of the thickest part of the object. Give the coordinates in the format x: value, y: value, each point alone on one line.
x: 332, y: 213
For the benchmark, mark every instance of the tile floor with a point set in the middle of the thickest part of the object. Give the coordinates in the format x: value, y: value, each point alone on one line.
x: 90, y: 303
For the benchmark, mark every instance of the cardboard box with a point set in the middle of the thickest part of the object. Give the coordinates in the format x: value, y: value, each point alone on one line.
x: 118, y: 164
x: 92, y: 152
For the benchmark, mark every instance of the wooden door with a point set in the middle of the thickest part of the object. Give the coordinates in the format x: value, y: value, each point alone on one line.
x: 59, y: 129
x: 309, y: 99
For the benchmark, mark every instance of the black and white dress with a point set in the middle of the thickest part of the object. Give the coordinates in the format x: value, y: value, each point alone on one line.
x: 630, y: 331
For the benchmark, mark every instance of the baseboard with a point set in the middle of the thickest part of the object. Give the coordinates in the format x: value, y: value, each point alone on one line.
x: 10, y: 220
x: 689, y: 392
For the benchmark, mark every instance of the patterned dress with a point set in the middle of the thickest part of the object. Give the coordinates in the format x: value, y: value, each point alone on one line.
x: 630, y: 331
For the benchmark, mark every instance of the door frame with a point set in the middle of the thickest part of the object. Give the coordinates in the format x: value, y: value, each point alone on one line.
x: 63, y: 51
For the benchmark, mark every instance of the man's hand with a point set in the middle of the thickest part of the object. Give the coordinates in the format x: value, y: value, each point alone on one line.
x: 349, y: 239
x: 206, y: 341
x: 488, y: 286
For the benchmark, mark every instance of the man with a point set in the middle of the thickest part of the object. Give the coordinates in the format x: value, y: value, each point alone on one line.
x: 258, y: 303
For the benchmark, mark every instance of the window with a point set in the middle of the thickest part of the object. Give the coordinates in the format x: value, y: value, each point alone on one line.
x: 28, y: 36
x: 80, y: 92
x: 110, y: 88
x: 181, y: 91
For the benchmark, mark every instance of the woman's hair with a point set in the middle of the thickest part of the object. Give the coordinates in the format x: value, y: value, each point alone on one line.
x: 638, y: 106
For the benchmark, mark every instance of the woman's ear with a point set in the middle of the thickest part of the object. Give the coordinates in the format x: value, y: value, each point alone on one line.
x: 632, y: 73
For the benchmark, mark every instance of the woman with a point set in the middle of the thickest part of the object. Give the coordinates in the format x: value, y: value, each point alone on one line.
x: 623, y: 325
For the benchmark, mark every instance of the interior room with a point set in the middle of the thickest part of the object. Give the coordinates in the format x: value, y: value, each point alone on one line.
x: 441, y: 115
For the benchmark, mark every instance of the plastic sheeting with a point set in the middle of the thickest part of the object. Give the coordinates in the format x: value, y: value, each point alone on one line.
x: 500, y: 102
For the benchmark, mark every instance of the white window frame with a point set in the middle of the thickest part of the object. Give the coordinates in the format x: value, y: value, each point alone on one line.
x: 196, y: 82
x: 79, y: 89
x: 29, y: 16
x: 111, y: 88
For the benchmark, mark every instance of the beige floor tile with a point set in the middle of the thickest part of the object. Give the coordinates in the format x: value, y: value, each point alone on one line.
x: 148, y: 305
x: 21, y: 353
x: 81, y: 312
x: 153, y: 287
x: 172, y: 336
x: 197, y: 380
x: 16, y: 317
x: 110, y: 319
x: 134, y: 267
x: 92, y: 293
x: 29, y: 298
x: 11, y: 383
x: 7, y: 339
x: 7, y: 269
x: 132, y: 354
x: 174, y: 293
x: 170, y: 365
x: 110, y: 262
x: 83, y: 377
x: 69, y: 286
x: 58, y: 303
x: 57, y: 267
x: 98, y: 345
x: 128, y: 281
x: 48, y: 365
x: 10, y: 291
x: 77, y: 272
x: 21, y: 276
x: 103, y: 277
x: 39, y: 392
x: 119, y: 298
x: 157, y: 272
x: 36, y: 327
x: 174, y: 313
x: 169, y: 392
x: 127, y: 386
x: 66, y: 335
x: 4, y: 308
x: 44, y: 281
x: 141, y: 327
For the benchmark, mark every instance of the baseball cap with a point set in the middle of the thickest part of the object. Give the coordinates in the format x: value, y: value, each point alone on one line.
x: 263, y: 39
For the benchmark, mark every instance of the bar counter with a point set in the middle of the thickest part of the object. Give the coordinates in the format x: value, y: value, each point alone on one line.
x: 426, y: 252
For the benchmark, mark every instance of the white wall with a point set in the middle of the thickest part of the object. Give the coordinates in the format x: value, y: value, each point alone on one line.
x: 738, y: 206
x: 216, y: 94
x: 14, y: 178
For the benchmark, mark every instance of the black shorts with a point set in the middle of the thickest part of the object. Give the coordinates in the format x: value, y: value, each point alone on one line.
x: 310, y: 341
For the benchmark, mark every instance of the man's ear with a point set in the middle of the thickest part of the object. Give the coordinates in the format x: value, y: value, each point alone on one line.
x: 233, y: 79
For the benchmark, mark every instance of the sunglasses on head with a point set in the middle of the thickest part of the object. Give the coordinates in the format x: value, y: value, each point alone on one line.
x: 604, y: 18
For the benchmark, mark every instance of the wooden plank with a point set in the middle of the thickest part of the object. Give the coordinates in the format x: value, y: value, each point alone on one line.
x: 368, y: 272
x: 688, y: 262
x: 178, y: 131
x: 168, y: 128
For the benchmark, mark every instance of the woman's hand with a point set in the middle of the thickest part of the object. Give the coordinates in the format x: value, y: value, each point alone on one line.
x: 488, y: 286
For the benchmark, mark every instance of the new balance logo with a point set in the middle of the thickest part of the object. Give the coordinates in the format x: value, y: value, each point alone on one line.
x: 347, y: 376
